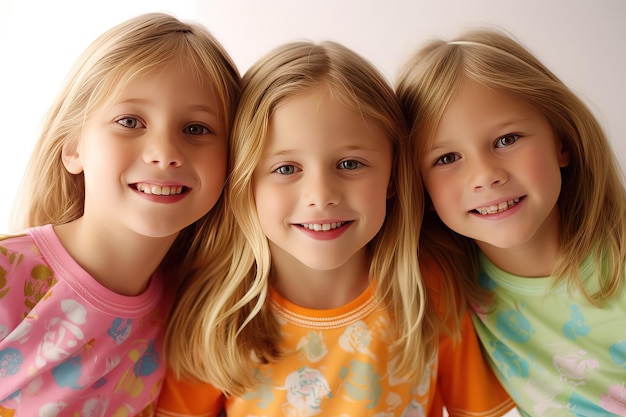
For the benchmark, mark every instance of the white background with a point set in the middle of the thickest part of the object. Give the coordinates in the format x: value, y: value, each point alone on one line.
x: 582, y: 41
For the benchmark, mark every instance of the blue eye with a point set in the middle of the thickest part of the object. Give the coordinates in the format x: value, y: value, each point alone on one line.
x: 506, y: 140
x: 286, y: 170
x: 349, y: 164
x: 197, y: 130
x: 130, y: 122
x: 447, y: 159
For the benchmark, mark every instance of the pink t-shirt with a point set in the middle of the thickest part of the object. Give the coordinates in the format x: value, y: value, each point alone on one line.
x: 68, y: 345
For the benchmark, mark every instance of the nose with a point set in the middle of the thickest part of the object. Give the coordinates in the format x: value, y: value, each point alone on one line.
x: 487, y: 172
x: 163, y: 150
x: 321, y: 189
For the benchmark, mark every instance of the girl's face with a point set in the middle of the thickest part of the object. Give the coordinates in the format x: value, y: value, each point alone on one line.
x: 154, y: 158
x: 493, y: 171
x: 321, y: 184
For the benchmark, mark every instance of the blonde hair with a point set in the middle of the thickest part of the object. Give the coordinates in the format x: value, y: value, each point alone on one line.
x: 592, y: 190
x: 50, y: 194
x: 231, y: 323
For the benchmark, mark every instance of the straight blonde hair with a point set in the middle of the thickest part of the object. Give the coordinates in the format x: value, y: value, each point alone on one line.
x: 225, y: 326
x: 592, y: 199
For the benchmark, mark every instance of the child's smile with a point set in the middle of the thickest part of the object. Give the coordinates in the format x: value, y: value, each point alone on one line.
x: 159, y: 140
x: 497, y: 208
x: 493, y: 172
x: 321, y: 184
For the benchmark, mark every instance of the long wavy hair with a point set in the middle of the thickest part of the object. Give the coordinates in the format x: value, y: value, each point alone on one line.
x: 227, y: 324
x: 592, y: 199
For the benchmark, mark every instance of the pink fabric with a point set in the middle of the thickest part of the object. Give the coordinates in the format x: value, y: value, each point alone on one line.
x: 68, y: 345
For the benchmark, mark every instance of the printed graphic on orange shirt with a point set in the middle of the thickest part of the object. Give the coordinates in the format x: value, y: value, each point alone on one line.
x: 361, y: 383
x: 306, y: 389
x: 263, y: 392
x: 357, y: 337
x: 312, y: 346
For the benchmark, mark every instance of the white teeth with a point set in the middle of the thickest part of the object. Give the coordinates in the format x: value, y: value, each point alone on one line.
x: 322, y: 227
x: 497, y: 208
x: 158, y: 190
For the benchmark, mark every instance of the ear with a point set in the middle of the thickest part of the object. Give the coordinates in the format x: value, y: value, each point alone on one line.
x: 70, y: 156
x: 563, y: 154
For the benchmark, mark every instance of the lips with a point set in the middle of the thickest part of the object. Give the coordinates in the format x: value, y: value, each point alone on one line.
x: 154, y: 189
x: 497, y: 208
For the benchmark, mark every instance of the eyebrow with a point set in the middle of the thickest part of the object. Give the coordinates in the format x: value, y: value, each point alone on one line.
x: 285, y: 152
x: 510, y: 122
x: 194, y: 107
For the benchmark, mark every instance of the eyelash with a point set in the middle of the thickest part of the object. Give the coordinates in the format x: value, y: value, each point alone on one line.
x: 498, y: 144
x: 440, y: 160
x: 342, y: 165
x: 281, y: 168
x: 510, y: 135
x: 119, y: 120
x: 204, y: 130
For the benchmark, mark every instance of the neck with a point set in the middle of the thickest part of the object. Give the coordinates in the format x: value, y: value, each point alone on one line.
x: 536, y: 258
x: 320, y: 289
x: 123, y: 264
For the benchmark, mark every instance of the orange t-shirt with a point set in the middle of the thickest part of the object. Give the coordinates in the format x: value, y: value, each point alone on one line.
x: 339, y: 365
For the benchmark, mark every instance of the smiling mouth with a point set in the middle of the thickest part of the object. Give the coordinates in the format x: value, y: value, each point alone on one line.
x: 322, y: 227
x: 158, y: 189
x: 498, y: 208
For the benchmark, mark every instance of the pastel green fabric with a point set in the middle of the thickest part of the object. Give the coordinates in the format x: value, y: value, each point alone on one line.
x: 555, y: 353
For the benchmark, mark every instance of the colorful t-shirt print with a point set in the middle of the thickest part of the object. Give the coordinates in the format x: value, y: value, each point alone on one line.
x: 339, y: 365
x: 69, y: 346
x: 555, y: 353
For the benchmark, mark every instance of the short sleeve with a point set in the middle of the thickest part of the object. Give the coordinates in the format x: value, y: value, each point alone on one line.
x: 180, y: 398
x: 466, y: 384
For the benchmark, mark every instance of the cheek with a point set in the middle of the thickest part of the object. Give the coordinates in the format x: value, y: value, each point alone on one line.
x: 437, y: 191
x: 105, y: 162
x: 541, y: 168
x: 547, y: 180
x: 271, y: 203
x: 212, y: 168
x: 373, y: 200
x: 215, y: 171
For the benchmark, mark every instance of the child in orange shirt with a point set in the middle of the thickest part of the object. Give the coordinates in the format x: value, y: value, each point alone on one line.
x: 324, y: 311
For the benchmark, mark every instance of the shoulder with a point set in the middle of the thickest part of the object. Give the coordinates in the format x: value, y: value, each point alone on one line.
x: 25, y: 278
x: 19, y: 252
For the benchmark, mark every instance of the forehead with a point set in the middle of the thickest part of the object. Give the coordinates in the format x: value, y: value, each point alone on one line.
x: 475, y: 104
x: 154, y: 81
x: 319, y: 110
x: 477, y: 96
x: 115, y: 78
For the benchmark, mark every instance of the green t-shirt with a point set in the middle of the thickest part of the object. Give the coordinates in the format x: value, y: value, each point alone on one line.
x: 556, y: 354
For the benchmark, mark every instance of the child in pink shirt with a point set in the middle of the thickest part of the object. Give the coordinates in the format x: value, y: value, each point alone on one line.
x: 122, y: 201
